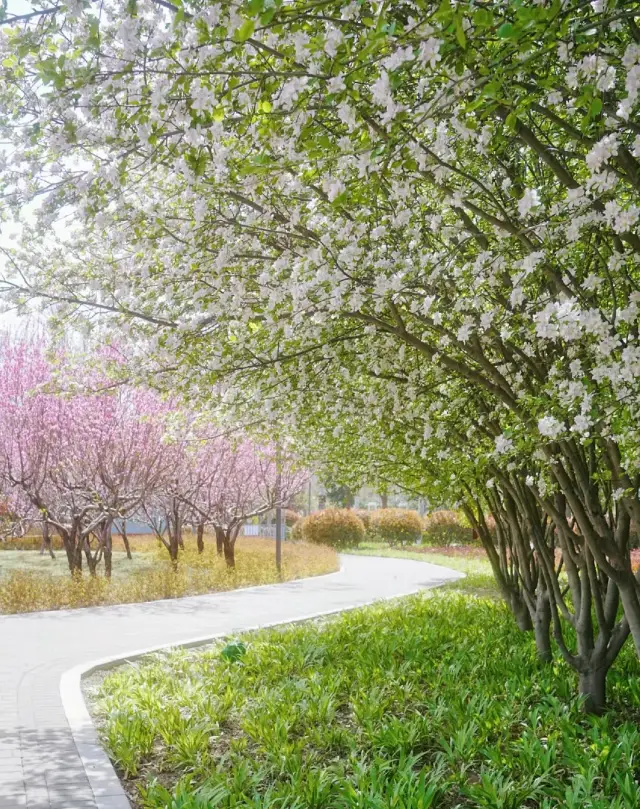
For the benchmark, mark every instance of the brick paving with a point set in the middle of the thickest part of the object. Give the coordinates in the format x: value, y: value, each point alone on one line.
x: 40, y: 766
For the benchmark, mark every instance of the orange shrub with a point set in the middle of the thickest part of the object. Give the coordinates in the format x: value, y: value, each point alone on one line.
x: 338, y: 527
x: 396, y: 526
x: 291, y: 517
x: 365, y: 515
x: 296, y: 531
x: 446, y: 528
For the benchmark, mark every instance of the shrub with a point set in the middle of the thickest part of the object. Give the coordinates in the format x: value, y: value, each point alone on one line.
x: 396, y: 526
x: 291, y: 517
x: 296, y: 531
x: 446, y: 528
x: 365, y: 515
x: 337, y: 527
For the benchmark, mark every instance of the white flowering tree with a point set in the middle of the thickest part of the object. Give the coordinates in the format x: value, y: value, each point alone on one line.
x: 266, y: 197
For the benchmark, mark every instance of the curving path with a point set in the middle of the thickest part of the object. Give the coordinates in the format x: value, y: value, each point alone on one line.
x: 49, y: 755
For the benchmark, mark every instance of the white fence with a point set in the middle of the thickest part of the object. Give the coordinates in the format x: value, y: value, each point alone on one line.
x: 249, y: 530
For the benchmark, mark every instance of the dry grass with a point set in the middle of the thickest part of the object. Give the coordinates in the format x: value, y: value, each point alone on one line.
x: 25, y: 591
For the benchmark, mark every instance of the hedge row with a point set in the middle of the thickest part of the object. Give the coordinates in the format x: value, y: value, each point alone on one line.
x: 347, y: 528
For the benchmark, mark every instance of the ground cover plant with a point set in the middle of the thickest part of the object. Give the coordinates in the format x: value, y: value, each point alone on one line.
x: 432, y: 701
x: 30, y: 582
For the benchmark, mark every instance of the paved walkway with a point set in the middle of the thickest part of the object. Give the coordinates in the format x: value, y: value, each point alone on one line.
x: 41, y: 766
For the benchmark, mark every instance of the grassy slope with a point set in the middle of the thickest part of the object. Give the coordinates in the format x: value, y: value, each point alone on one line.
x: 433, y: 702
x: 32, y: 582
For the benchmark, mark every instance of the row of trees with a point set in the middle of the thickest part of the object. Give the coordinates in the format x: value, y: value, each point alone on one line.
x: 407, y: 230
x: 79, y: 456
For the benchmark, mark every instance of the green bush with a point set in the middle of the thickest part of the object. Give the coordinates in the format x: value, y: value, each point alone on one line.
x: 443, y: 528
x: 337, y: 527
x: 396, y: 526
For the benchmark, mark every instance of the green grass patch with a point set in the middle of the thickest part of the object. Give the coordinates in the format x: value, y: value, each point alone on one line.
x: 434, y: 701
x: 470, y: 560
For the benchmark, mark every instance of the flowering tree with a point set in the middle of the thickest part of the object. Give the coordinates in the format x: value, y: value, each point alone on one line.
x: 76, y: 462
x: 231, y: 482
x: 431, y: 197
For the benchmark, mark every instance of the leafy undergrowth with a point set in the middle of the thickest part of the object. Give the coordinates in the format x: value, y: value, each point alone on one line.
x: 149, y: 575
x: 433, y: 702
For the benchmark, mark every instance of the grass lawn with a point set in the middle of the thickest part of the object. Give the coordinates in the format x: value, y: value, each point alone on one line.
x: 30, y: 582
x: 432, y: 702
x: 32, y: 562
x: 468, y: 559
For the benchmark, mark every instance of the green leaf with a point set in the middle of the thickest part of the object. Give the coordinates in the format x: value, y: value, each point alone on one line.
x: 596, y: 107
x: 482, y: 18
x: 233, y: 651
x: 506, y: 31
x: 268, y: 15
x: 511, y: 121
x: 245, y: 31
x: 460, y: 35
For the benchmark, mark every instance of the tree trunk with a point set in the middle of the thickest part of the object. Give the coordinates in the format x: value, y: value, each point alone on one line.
x: 519, y: 610
x: 219, y: 541
x: 92, y: 562
x: 108, y: 553
x: 200, y: 537
x: 631, y: 607
x: 73, y: 549
x: 79, y: 563
x: 125, y: 539
x: 542, y: 628
x: 384, y: 499
x: 46, y: 541
x: 173, y: 549
x: 229, y: 551
x: 593, y: 688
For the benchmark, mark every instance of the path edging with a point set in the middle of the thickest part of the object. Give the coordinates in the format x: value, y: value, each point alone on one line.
x: 103, y: 779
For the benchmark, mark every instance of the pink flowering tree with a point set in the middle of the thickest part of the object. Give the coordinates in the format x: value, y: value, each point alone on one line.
x: 235, y: 481
x: 77, y: 461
